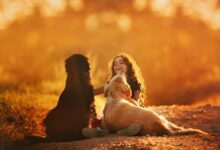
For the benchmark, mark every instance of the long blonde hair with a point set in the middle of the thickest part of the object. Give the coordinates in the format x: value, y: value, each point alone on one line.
x: 133, y: 74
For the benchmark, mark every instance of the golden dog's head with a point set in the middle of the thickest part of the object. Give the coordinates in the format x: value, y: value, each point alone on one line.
x: 118, y: 87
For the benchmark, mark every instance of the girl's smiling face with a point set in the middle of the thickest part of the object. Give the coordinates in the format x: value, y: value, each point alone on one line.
x: 119, y: 65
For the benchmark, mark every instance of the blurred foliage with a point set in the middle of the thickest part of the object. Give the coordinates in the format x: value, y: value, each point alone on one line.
x: 175, y: 44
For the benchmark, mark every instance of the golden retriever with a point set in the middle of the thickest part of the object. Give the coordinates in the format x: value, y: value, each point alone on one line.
x: 119, y: 112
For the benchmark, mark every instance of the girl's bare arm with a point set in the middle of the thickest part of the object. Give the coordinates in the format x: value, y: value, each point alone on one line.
x: 99, y: 90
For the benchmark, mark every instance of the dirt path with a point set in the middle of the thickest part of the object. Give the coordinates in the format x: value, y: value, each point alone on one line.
x: 206, y: 118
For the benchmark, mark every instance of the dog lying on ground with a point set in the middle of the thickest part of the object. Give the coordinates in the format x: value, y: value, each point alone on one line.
x: 119, y: 113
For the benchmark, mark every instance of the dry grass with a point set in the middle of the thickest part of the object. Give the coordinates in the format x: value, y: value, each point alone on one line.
x: 22, y: 109
x: 21, y: 112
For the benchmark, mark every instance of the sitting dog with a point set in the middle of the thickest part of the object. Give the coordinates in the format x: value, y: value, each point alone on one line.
x: 74, y: 107
x: 119, y: 113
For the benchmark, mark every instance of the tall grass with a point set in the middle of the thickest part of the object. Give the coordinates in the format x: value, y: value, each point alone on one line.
x: 23, y: 107
x: 21, y: 112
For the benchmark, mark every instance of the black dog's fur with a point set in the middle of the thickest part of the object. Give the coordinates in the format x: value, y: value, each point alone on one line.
x: 74, y: 107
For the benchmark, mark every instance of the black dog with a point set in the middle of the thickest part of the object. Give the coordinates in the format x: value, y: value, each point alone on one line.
x: 75, y: 105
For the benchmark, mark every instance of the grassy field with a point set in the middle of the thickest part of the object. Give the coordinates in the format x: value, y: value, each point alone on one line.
x: 23, y: 107
x: 21, y: 114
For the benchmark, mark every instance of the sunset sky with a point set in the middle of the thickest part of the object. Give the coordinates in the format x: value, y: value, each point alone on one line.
x: 175, y: 43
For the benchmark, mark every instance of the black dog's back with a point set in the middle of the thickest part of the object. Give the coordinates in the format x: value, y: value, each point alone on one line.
x: 67, y: 121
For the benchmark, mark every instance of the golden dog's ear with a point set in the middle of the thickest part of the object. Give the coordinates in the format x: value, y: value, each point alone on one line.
x: 128, y: 90
x: 126, y: 87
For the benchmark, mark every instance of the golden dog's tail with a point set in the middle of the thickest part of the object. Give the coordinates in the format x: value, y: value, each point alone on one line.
x: 176, y: 130
x: 188, y: 131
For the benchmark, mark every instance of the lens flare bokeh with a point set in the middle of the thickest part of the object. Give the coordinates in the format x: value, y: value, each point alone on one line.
x: 175, y: 43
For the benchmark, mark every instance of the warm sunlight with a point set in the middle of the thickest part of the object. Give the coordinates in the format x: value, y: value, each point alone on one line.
x: 56, y: 57
x: 124, y: 22
x: 165, y: 33
x: 140, y: 5
x: 206, y: 11
x: 52, y: 7
x: 77, y: 5
x: 91, y: 22
x: 164, y: 7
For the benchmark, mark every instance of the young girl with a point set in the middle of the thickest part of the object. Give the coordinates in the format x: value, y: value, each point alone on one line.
x: 122, y: 63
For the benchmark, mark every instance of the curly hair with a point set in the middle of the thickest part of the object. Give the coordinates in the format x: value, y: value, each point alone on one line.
x: 133, y: 74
